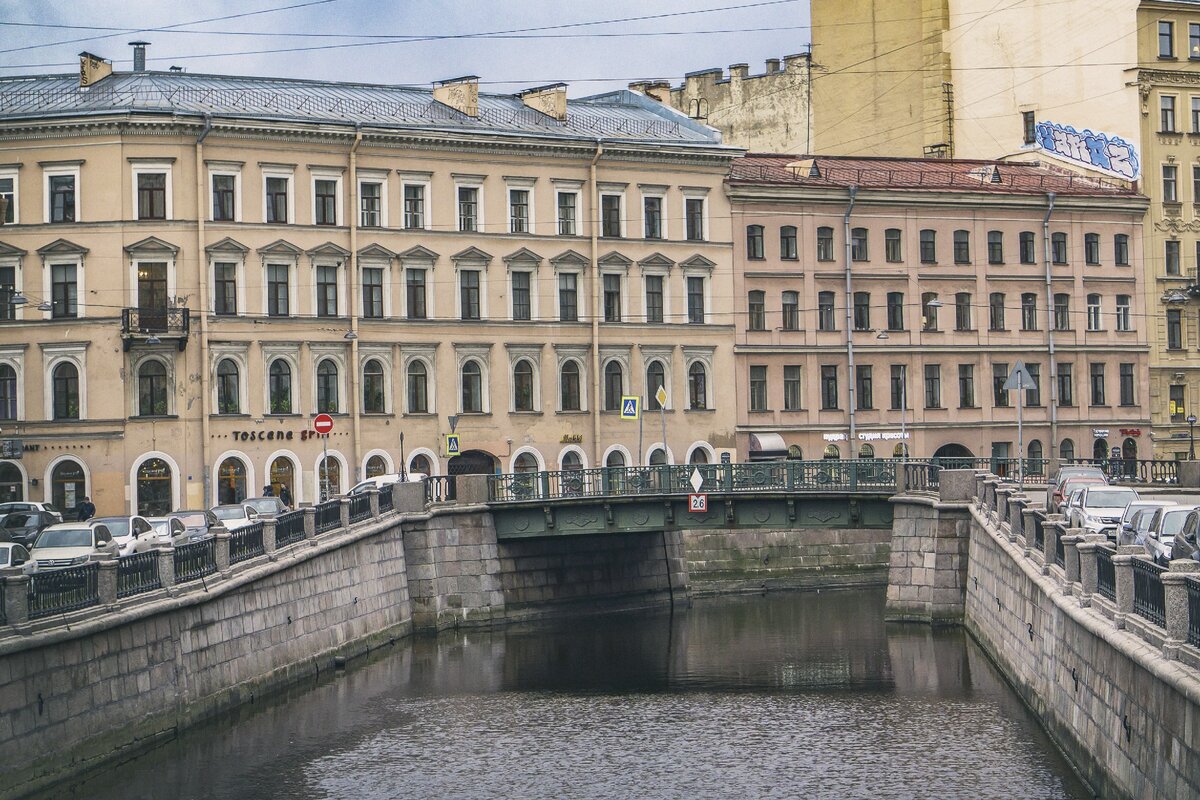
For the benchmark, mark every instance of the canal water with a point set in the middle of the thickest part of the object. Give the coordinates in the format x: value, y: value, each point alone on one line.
x: 784, y: 695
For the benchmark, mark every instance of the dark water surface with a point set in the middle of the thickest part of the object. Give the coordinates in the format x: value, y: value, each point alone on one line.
x: 787, y: 695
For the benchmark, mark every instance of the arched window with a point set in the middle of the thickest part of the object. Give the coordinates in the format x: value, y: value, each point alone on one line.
x: 420, y: 465
x: 12, y: 483
x: 658, y: 457
x: 68, y: 485
x: 472, y: 388
x: 523, y: 386
x: 571, y: 460
x: 327, y: 387
x: 754, y: 241
x: 900, y: 450
x: 614, y: 386
x: 1066, y: 450
x: 231, y: 481
x: 329, y: 477
x: 1100, y: 449
x: 228, y: 387
x: 376, y: 465
x: 1035, y: 454
x: 699, y: 456
x: 283, y: 476
x: 418, y: 388
x: 154, y: 483
x: 152, y: 389
x: 795, y: 452
x: 281, y: 387
x: 656, y: 376
x: 697, y: 387
x: 615, y: 459
x: 524, y: 463
x: 8, y: 392
x: 866, y: 451
x: 66, y: 391
x: 569, y: 386
x: 373, y: 387
x: 832, y: 451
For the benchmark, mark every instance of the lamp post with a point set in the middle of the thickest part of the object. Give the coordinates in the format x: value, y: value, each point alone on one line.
x: 1191, y: 421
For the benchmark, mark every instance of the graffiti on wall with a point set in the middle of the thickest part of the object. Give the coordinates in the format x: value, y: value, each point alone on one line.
x: 1110, y: 154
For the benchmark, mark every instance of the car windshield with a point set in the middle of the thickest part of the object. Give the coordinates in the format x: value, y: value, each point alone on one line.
x: 265, y: 505
x: 195, y: 520
x: 65, y: 537
x: 1110, y: 498
x: 229, y: 512
x: 1173, y: 522
x: 117, y: 526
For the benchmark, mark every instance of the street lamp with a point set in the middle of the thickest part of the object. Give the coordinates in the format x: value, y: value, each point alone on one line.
x: 1191, y: 421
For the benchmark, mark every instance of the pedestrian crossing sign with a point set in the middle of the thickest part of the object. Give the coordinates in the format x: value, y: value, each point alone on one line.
x: 453, y: 446
x: 631, y: 407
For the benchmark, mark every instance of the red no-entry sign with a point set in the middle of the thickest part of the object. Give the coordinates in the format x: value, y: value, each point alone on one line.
x: 322, y: 423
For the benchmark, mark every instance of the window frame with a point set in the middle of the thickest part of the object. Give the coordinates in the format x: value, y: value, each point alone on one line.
x: 317, y: 177
x: 236, y: 193
x: 73, y: 171
x: 164, y: 168
x: 477, y: 219
x: 425, y: 184
x: 367, y: 177
x: 289, y: 196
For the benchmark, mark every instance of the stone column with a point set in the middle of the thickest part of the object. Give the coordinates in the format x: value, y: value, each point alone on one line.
x: 373, y: 499
x: 1002, y: 495
x: 1016, y: 517
x: 1189, y: 474
x: 221, y: 551
x: 408, y: 497
x: 1071, y: 540
x: 344, y: 513
x: 16, y: 595
x: 106, y: 581
x: 1175, y: 596
x: 1085, y: 551
x: 1050, y: 545
x: 1028, y: 525
x: 310, y: 523
x: 1123, y: 567
x: 166, y: 568
x: 269, y: 545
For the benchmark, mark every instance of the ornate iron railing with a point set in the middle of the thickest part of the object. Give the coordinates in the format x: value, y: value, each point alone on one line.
x: 1193, y: 596
x: 329, y: 515
x: 360, y: 507
x: 1129, y: 470
x: 195, y: 560
x: 289, y: 528
x: 1106, y: 573
x: 64, y: 590
x: 440, y: 488
x: 1060, y: 550
x: 1148, y: 599
x: 386, y: 500
x: 137, y: 573
x: 1039, y: 532
x: 246, y: 543
x: 1000, y: 467
x: 921, y: 477
x: 162, y: 323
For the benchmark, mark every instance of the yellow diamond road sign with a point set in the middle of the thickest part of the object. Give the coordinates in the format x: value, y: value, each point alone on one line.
x: 661, y: 397
x: 631, y: 407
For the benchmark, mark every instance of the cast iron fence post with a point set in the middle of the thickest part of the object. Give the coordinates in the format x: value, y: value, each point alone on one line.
x: 1123, y: 570
x: 1175, y: 603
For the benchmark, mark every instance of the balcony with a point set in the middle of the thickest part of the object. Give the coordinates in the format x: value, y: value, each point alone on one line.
x: 155, y: 325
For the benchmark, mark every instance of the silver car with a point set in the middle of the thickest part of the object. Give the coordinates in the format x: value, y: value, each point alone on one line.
x: 1160, y: 537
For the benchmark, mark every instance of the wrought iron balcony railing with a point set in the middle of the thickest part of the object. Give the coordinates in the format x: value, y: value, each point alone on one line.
x: 153, y: 325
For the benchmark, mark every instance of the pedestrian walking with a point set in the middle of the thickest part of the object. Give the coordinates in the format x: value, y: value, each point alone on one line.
x: 85, y: 510
x: 268, y: 491
x: 285, y: 496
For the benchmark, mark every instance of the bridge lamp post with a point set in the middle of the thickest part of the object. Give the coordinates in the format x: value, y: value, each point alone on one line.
x: 1191, y: 421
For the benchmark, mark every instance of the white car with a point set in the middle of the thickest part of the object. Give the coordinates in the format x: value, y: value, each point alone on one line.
x: 30, y: 505
x: 1160, y: 538
x: 69, y: 544
x: 1127, y: 532
x: 1100, y: 508
x: 12, y: 554
x: 235, y: 516
x: 164, y: 532
x: 125, y: 531
x: 380, y: 481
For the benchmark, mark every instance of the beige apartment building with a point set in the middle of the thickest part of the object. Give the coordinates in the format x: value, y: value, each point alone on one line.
x: 885, y: 302
x: 196, y: 265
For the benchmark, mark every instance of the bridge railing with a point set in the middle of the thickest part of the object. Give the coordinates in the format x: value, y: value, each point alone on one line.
x: 1133, y: 470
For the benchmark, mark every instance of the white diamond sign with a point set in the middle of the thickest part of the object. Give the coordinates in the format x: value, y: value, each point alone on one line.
x: 697, y: 479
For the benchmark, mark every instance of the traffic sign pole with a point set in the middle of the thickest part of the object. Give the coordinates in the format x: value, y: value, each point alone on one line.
x: 661, y: 397
x: 323, y: 424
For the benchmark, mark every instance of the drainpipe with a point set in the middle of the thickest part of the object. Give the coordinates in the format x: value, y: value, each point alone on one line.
x: 1050, y: 329
x: 594, y: 193
x: 352, y: 283
x: 850, y: 321
x: 202, y: 267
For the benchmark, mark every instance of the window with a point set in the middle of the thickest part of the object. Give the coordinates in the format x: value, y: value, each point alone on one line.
x: 1026, y: 242
x: 327, y: 387
x: 64, y: 291
x: 225, y: 288
x: 899, y: 384
x: 758, y: 388
x: 1033, y: 394
x: 518, y: 211
x: 468, y: 287
x: 414, y: 206
x: 8, y: 288
x: 1170, y: 183
x: 656, y: 376
x: 1174, y: 329
x: 468, y: 208
x: 1094, y: 322
x: 864, y: 387
x: 829, y: 387
x: 1166, y: 39
x: 277, y: 199
x: 1091, y: 249
x: 523, y: 386
x: 65, y: 383
x: 652, y: 217
x: 614, y: 386
x: 895, y: 311
x: 966, y: 386
x: 995, y: 241
x: 373, y: 387
x: 278, y: 304
x: 1124, y: 316
x: 568, y: 297
x: 892, y: 250
x: 962, y: 247
x: 697, y: 387
x: 1171, y: 256
x: 1096, y: 376
x: 8, y: 392
x: 1028, y: 127
x: 858, y: 244
x: 325, y: 201
x: 695, y: 300
x: 612, y: 298
x: 228, y: 388
x: 791, y: 388
x: 1029, y: 321
x: 414, y: 285
x: 756, y: 319
x: 996, y: 311
x: 568, y: 213
x: 522, y: 308
x: 280, y: 387
x: 370, y: 199
x: 928, y: 246
x: 151, y: 195
x: 1062, y: 312
x: 1066, y: 385
x: 791, y: 311
x: 693, y: 209
x: 610, y: 215
x: 1000, y: 397
x: 933, y: 386
x: 654, y: 298
x: 962, y: 311
x: 1066, y: 450
x: 929, y: 309
x: 8, y: 191
x: 1193, y: 40
x: 1121, y: 250
x: 824, y: 243
x: 1127, y: 384
x: 152, y: 389
x: 754, y: 241
x: 787, y: 243
x: 862, y: 311
x: 372, y: 292
x: 1195, y: 167
x: 825, y: 316
x: 1058, y: 248
x: 472, y: 388
x: 418, y: 387
x: 569, y: 386
x: 62, y: 198
x: 1166, y: 109
x: 1177, y: 405
x: 327, y: 291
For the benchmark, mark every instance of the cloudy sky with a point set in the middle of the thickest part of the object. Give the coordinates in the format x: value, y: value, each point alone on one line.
x: 510, y: 44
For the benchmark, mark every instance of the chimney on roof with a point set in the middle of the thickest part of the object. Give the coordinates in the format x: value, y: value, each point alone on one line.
x: 738, y: 71
x: 550, y: 100
x: 92, y: 69
x: 139, y: 56
x: 461, y: 94
x: 772, y: 65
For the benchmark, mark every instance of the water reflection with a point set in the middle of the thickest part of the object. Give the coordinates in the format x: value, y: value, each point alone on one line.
x: 780, y: 696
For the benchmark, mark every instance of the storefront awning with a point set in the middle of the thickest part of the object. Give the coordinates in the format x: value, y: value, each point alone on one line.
x: 766, y: 446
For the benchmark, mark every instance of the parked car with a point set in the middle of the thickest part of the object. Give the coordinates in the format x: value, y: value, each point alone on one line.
x: 1070, y: 486
x: 1160, y: 537
x: 196, y: 523
x: 1074, y: 496
x: 1126, y: 528
x: 1054, y: 495
x: 267, y: 507
x: 1100, y: 508
x: 125, y: 530
x: 235, y: 515
x: 24, y: 526
x: 30, y: 505
x: 13, y: 554
x: 1185, y: 544
x: 164, y: 532
x: 380, y: 481
x: 69, y: 544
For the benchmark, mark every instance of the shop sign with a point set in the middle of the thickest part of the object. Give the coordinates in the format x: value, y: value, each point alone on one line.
x: 10, y: 448
x: 1131, y: 431
x: 1100, y: 433
x: 274, y: 436
x: 887, y: 436
x: 571, y: 438
x: 834, y: 437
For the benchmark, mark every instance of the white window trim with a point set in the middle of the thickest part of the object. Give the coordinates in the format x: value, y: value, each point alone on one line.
x: 706, y: 276
x: 18, y: 284
x: 239, y: 263
x: 236, y: 172
x: 290, y: 354
x: 572, y: 188
x: 532, y: 354
x: 661, y: 193
x: 238, y: 355
x: 425, y: 354
x: 48, y: 264
x: 530, y: 269
x: 52, y: 356
x: 384, y: 454
x: 526, y: 450
x: 601, y: 192
x: 290, y: 176
x: 471, y: 182
x: 166, y: 258
x: 386, y: 266
x: 426, y: 184
x: 251, y: 477
x: 163, y: 357
x: 340, y: 266
x: 382, y: 354
x: 482, y: 355
x: 427, y: 267
x: 663, y: 356
x: 336, y: 354
x: 623, y: 276
x: 325, y: 174
x: 152, y: 168
x: 176, y: 478
x: 54, y: 171
x: 525, y: 185
x: 704, y: 356
x: 372, y: 176
x: 291, y: 262
x: 435, y: 463
x: 297, y: 472
x: 15, y: 174
x: 578, y: 354
x: 14, y: 356
x: 582, y: 309
x: 630, y: 461
x: 53, y: 464
x: 459, y: 268
x: 663, y: 272
x: 701, y: 194
x: 343, y: 473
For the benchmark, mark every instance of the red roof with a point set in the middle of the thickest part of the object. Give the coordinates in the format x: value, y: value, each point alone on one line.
x: 926, y: 174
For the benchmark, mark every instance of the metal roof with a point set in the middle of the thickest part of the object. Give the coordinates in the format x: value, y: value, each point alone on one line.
x: 620, y: 115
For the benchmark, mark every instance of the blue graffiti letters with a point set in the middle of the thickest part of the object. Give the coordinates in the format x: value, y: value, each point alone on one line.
x: 1111, y: 154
